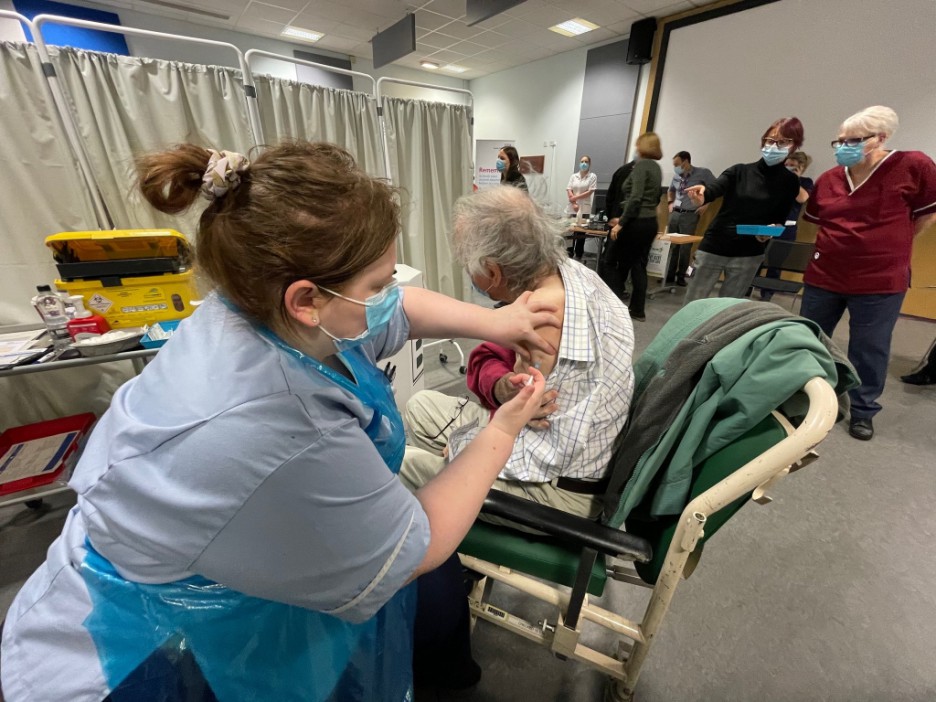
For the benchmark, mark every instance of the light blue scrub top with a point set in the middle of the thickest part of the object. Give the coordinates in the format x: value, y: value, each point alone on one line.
x: 227, y: 459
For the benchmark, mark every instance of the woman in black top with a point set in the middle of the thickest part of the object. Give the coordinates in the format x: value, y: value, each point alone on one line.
x: 508, y: 163
x: 754, y: 193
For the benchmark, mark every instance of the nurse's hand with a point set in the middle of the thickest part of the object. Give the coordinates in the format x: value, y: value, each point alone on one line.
x: 507, y: 387
x: 525, y: 405
x: 515, y: 325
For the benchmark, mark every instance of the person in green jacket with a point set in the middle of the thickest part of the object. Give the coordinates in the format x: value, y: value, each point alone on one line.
x: 637, y: 227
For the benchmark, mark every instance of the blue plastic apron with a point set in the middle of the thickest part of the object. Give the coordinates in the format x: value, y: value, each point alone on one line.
x: 174, y: 641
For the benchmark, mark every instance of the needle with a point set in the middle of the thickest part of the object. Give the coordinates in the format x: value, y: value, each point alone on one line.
x: 530, y: 379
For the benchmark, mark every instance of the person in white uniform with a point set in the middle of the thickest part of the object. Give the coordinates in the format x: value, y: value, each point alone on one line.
x: 581, y: 193
x: 240, y: 532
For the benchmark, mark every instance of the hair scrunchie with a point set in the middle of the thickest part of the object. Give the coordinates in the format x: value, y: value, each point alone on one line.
x: 223, y: 173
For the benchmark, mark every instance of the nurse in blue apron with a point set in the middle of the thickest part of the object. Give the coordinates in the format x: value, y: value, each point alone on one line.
x: 240, y: 533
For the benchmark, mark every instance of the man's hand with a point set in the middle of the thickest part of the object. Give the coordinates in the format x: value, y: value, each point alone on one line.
x: 524, y: 407
x: 507, y: 387
x: 670, y: 206
x: 615, y: 230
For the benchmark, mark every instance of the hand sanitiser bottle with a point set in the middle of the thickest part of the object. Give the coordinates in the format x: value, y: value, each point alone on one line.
x: 51, y: 308
x: 83, y: 323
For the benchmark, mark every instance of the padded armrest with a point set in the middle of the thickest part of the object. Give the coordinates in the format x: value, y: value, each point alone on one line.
x: 568, y: 527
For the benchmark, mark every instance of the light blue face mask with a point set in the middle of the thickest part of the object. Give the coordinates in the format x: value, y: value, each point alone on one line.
x: 773, y: 155
x: 583, y: 166
x: 380, y: 309
x: 846, y: 155
x: 678, y: 170
x: 501, y: 165
x: 483, y: 293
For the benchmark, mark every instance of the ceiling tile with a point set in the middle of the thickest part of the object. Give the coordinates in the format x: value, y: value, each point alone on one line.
x: 514, y: 28
x: 460, y: 30
x: 430, y: 20
x: 675, y: 9
x: 623, y: 28
x: 260, y: 26
x: 596, y: 35
x: 337, y: 43
x: 648, y: 7
x: 492, y: 56
x: 350, y: 31
x: 449, y: 8
x: 490, y: 40
x: 294, y: 5
x: 530, y: 7
x: 436, y: 41
x: 258, y: 10
x: 493, y: 22
x: 444, y: 57
x: 469, y: 48
x: 364, y: 50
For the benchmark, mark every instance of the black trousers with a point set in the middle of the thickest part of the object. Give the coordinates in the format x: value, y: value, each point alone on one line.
x: 631, y: 252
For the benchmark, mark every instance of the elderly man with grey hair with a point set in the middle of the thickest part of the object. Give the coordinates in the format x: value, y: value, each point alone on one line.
x: 508, y: 246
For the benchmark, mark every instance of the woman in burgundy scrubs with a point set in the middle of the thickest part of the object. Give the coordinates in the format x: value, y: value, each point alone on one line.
x: 869, y: 209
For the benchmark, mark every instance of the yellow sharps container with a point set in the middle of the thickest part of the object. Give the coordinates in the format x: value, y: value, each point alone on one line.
x: 131, y: 277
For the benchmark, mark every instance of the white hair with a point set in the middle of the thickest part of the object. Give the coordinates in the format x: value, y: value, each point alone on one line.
x: 874, y: 120
x: 503, y: 226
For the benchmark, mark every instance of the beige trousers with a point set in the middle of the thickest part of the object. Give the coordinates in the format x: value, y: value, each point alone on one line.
x: 431, y: 417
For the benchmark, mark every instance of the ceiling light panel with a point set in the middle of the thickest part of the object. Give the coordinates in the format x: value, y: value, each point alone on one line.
x: 573, y: 27
x: 303, y: 34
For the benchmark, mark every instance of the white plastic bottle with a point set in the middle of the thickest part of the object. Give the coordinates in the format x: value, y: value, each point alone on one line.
x: 51, y: 308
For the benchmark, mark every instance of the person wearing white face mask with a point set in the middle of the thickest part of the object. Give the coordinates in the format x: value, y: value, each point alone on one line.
x: 754, y: 193
x: 581, y: 192
x: 869, y: 209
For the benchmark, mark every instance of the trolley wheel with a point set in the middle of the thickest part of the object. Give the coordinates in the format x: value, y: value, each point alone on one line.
x: 672, y: 291
x: 33, y: 504
x: 463, y: 370
x: 443, y: 358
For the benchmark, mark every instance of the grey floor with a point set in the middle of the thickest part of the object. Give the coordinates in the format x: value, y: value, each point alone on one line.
x: 829, y: 593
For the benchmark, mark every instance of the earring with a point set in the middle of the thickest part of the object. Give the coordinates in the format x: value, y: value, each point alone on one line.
x: 313, y: 320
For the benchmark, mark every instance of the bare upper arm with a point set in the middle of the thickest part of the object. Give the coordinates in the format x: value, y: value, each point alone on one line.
x: 555, y: 296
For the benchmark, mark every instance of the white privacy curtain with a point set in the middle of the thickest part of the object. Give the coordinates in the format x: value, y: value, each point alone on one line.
x: 430, y: 158
x: 291, y: 110
x: 41, y: 191
x: 125, y: 106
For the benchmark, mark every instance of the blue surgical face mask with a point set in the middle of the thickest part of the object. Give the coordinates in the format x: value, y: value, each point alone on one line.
x: 483, y: 293
x: 773, y: 155
x: 583, y: 166
x: 501, y: 165
x: 380, y: 309
x: 678, y: 170
x: 846, y: 155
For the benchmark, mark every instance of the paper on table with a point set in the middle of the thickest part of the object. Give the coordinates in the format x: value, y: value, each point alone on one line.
x: 34, y: 457
x: 17, y: 347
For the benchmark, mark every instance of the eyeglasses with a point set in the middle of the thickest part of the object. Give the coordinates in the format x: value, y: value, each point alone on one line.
x: 782, y: 143
x: 854, y: 141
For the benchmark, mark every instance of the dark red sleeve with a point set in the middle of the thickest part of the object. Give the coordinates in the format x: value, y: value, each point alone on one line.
x: 487, y: 364
x: 923, y: 200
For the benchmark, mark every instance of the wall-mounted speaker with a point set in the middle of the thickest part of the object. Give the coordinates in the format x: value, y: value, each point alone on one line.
x: 640, y: 43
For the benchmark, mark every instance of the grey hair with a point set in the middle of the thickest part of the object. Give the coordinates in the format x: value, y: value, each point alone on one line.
x: 874, y: 120
x: 503, y: 225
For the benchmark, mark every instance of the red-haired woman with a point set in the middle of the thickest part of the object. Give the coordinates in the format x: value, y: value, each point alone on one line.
x: 754, y: 193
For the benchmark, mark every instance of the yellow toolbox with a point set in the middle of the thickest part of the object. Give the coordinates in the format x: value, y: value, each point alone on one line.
x: 131, y: 277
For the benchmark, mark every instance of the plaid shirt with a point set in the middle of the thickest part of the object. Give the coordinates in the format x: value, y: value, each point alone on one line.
x: 594, y: 377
